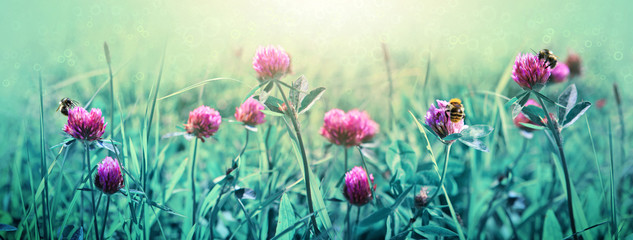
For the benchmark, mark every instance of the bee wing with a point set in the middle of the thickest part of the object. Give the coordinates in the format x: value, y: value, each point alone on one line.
x: 74, y: 103
x: 58, y: 107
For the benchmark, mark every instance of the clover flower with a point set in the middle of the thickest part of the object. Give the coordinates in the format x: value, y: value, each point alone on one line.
x: 357, y: 190
x: 271, y: 62
x: 348, y: 129
x: 530, y: 72
x: 560, y: 73
x: 439, y: 120
x: 203, y: 122
x: 85, y: 126
x: 250, y: 112
x: 109, y: 178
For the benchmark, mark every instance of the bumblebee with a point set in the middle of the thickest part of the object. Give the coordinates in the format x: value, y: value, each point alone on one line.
x: 549, y: 57
x: 455, y: 110
x: 66, y: 104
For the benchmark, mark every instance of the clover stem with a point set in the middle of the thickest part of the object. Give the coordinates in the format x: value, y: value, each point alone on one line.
x: 552, y: 127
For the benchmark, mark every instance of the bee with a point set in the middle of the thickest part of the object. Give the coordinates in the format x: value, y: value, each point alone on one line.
x: 66, y: 104
x: 549, y: 57
x: 455, y: 110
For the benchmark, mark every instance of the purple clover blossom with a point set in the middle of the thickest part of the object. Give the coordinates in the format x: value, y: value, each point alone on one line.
x: 85, y: 126
x: 271, y: 62
x: 440, y: 122
x: 109, y: 178
x: 348, y: 129
x: 560, y: 73
x: 250, y: 112
x: 357, y: 190
x: 530, y: 72
x: 203, y: 122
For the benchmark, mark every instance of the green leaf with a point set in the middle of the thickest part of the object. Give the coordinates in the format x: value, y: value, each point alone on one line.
x: 518, y: 107
x: 524, y: 99
x: 272, y: 103
x: 474, y: 143
x: 401, y: 156
x: 298, y: 90
x: 567, y: 98
x: 210, y: 199
x: 515, y: 99
x: 435, y: 230
x: 286, y: 217
x: 272, y: 113
x: 310, y: 99
x: 319, y: 204
x: 376, y: 216
x: 532, y: 126
x: 510, y: 102
x: 452, y: 137
x: 551, y: 227
x: 428, y: 128
x: 107, y: 145
x: 384, y: 212
x: 534, y: 113
x: 540, y: 95
x: 7, y: 228
x: 575, y: 113
x: 477, y: 131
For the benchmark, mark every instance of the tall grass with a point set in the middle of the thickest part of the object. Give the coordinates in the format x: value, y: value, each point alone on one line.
x: 514, y: 191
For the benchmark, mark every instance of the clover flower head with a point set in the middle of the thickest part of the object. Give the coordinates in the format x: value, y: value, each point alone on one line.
x: 250, y: 112
x: 271, y: 62
x: 439, y: 119
x: 109, y: 178
x: 530, y: 72
x: 348, y: 129
x: 85, y: 126
x: 203, y: 122
x: 357, y: 190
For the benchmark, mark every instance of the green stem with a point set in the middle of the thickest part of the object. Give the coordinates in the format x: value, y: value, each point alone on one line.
x: 44, y: 168
x: 390, y: 80
x: 484, y: 217
x: 83, y: 176
x: 448, y: 149
x: 514, y: 229
x: 92, y: 193
x: 215, y: 208
x: 234, y: 167
x: 357, y: 220
x: 235, y: 163
x: 552, y: 127
x: 107, y: 53
x: 362, y: 159
x: 458, y: 226
x: 306, y: 170
x: 105, y: 217
x: 345, y: 151
x: 347, y: 221
x: 193, y: 186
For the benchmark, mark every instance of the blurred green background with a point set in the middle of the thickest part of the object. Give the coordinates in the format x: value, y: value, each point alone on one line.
x: 333, y: 43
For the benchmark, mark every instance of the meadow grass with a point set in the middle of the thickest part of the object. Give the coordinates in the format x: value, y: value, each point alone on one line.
x: 520, y: 188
